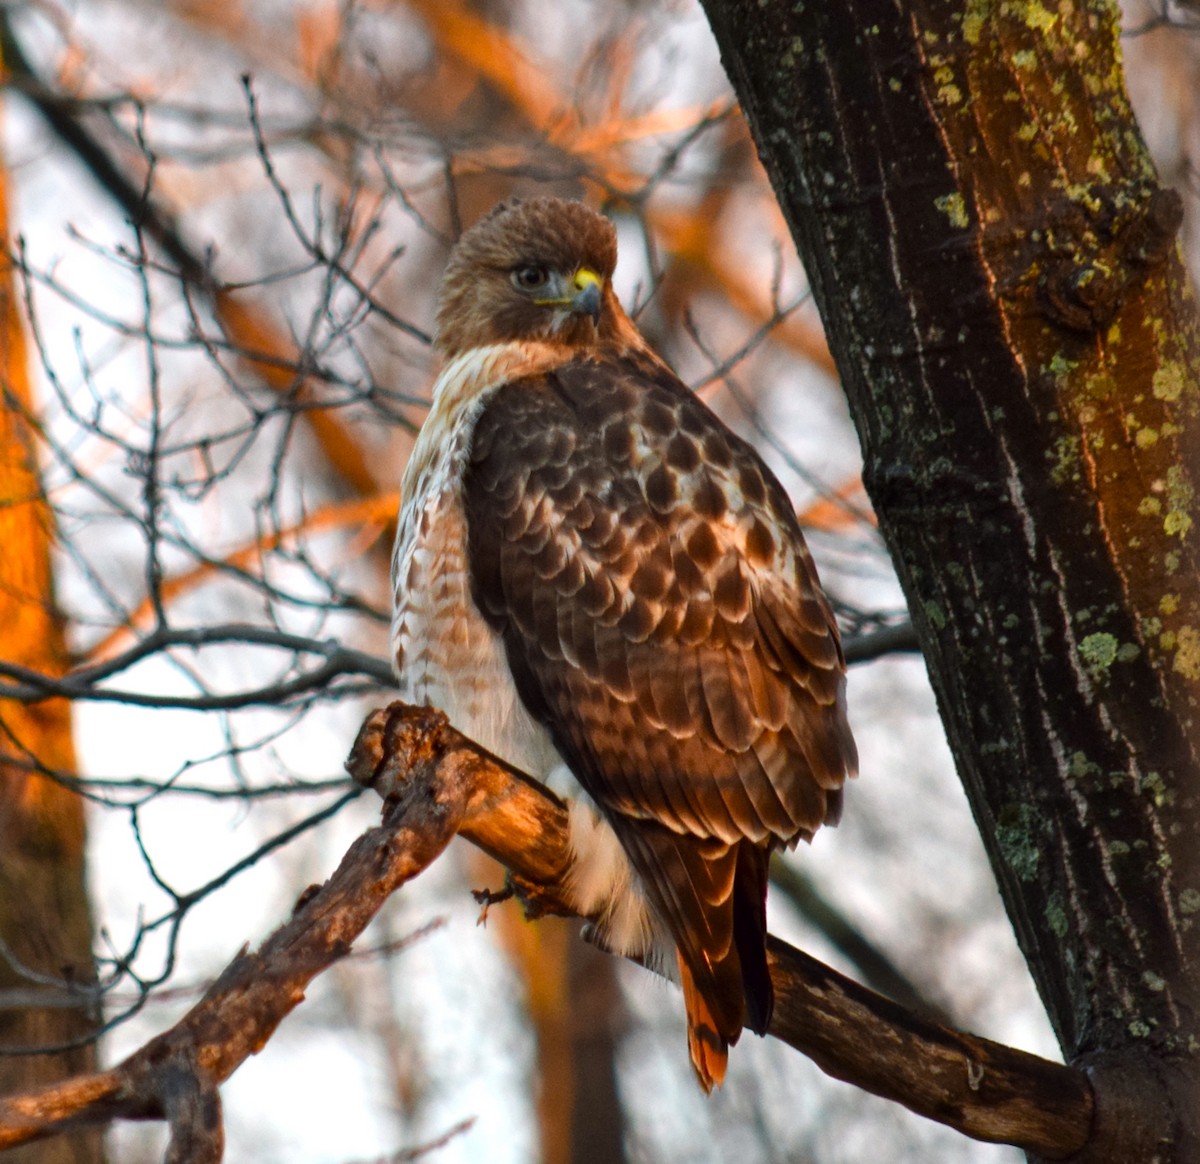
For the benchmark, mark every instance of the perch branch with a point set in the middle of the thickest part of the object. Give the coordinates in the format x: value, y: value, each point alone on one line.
x: 438, y: 784
x: 981, y: 1088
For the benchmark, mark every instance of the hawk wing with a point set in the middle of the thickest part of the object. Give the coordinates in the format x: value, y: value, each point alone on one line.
x: 662, y: 617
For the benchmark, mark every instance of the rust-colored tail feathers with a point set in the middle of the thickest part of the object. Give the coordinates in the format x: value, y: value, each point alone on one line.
x: 737, y: 989
x: 708, y: 1047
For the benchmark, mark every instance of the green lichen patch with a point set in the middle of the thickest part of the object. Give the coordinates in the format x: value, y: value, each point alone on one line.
x: 1079, y: 767
x: 973, y: 23
x: 1169, y: 381
x: 954, y: 208
x: 1152, y: 784
x: 1018, y: 834
x: 1098, y: 652
x: 1180, y: 495
x: 1154, y: 981
x: 1066, y: 467
x: 1101, y: 385
x: 1056, y: 916
x: 1060, y: 365
x: 1038, y: 17
x: 1187, y: 653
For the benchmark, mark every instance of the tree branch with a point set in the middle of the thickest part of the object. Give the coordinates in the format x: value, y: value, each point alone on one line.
x: 438, y: 784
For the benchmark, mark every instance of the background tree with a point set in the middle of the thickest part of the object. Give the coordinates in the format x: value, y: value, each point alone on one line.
x: 231, y: 361
x: 45, y: 925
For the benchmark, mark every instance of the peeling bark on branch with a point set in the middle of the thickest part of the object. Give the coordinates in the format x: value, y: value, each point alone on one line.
x: 439, y: 784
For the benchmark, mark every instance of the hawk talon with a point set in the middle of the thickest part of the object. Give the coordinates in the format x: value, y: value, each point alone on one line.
x: 489, y: 897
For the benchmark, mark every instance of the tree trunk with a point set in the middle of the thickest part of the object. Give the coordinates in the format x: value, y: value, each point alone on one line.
x: 45, y: 925
x: 997, y: 270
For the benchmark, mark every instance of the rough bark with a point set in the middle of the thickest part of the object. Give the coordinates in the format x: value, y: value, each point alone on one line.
x: 996, y: 266
x: 45, y: 923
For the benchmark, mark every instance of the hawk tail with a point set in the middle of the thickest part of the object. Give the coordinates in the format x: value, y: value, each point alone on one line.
x: 709, y: 1038
x: 708, y: 1048
x: 750, y: 934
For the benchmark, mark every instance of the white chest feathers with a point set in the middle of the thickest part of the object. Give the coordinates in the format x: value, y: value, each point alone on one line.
x: 444, y: 653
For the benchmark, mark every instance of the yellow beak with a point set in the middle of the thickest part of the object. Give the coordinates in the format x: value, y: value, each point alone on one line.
x: 588, y: 297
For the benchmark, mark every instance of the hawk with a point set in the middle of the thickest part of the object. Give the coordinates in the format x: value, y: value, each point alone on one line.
x: 602, y: 585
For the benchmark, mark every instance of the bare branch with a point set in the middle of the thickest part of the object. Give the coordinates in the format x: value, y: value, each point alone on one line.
x: 981, y: 1088
x: 26, y: 684
x: 887, y: 640
x: 869, y: 960
x: 241, y: 1010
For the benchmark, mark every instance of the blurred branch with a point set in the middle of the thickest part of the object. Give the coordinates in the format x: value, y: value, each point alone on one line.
x: 60, y: 114
x: 271, y: 354
x: 72, y: 993
x: 887, y: 640
x: 429, y: 1147
x: 497, y: 57
x: 438, y: 784
x: 877, y: 969
x: 1181, y: 14
x: 241, y: 1010
x: 376, y: 513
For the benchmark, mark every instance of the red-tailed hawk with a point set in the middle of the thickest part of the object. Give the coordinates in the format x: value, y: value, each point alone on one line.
x: 601, y: 584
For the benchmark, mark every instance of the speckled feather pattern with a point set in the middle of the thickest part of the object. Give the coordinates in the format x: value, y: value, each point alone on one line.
x: 601, y: 584
x: 658, y: 603
x: 447, y: 655
x: 661, y: 615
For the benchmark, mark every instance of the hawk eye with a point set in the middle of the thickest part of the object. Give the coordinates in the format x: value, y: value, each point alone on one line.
x: 530, y: 278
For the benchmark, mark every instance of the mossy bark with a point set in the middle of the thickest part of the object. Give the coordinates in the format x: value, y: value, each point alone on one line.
x: 997, y: 269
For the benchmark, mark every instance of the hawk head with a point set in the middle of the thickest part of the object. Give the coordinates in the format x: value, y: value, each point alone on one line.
x: 536, y: 270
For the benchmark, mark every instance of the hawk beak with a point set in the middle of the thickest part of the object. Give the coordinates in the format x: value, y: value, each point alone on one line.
x: 588, y: 294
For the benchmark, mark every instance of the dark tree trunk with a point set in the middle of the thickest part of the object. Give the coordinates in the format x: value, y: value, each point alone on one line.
x: 997, y: 270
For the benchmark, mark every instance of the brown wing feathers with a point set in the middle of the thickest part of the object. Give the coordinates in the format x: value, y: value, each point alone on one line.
x: 699, y: 703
